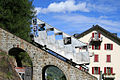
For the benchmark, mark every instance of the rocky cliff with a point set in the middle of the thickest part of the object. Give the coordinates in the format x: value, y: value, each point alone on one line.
x: 7, y: 71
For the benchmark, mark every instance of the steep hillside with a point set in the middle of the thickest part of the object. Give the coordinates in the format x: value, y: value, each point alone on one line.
x: 7, y: 71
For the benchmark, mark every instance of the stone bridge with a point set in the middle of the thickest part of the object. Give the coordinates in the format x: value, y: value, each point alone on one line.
x: 41, y: 58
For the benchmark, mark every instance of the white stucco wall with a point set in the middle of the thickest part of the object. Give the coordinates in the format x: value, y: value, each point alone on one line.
x: 115, y: 56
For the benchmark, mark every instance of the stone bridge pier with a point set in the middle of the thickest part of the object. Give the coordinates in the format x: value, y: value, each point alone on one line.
x: 41, y: 58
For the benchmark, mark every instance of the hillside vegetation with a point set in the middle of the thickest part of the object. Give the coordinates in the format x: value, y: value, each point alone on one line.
x: 7, y: 71
x: 54, y: 73
x: 16, y: 16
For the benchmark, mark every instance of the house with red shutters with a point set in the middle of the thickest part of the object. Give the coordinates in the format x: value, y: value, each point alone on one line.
x: 104, y: 48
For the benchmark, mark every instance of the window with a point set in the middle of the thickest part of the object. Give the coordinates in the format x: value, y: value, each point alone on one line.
x: 95, y: 47
x: 95, y: 58
x: 67, y: 40
x: 108, y: 58
x: 95, y: 70
x: 50, y: 31
x: 108, y: 70
x: 59, y: 36
x: 96, y: 35
x: 34, y: 21
x: 108, y: 46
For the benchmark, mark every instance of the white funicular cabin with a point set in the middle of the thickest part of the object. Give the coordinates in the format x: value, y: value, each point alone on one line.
x: 60, y: 42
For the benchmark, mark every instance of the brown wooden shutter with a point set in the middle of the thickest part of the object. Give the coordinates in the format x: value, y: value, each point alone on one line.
x: 92, y: 47
x: 99, y: 35
x: 108, y: 58
x: 111, y: 70
x: 105, y: 46
x: 92, y: 35
x: 99, y: 47
x: 92, y: 70
x: 96, y: 58
x: 98, y: 70
x: 104, y: 70
x: 111, y: 46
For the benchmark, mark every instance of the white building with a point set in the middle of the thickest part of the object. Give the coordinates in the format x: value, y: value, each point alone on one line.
x: 104, y: 48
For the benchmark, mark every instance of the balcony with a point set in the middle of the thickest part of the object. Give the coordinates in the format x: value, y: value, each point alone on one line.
x: 95, y: 40
x: 109, y: 76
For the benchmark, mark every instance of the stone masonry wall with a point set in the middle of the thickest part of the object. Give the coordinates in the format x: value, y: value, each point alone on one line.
x: 40, y: 58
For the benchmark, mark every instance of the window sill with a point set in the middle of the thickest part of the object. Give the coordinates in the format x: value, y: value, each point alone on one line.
x: 96, y: 61
x: 108, y: 49
x: 96, y: 74
x: 108, y: 62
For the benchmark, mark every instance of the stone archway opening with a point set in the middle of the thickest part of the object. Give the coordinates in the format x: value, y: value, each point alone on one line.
x: 52, y: 72
x: 22, y: 62
x: 21, y: 56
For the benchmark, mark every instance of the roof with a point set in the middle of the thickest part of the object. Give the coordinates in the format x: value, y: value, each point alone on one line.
x: 104, y: 32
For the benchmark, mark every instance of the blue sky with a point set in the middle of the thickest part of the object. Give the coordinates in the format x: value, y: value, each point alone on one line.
x: 76, y: 16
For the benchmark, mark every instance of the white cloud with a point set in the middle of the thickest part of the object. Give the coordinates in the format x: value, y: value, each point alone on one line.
x: 80, y: 20
x: 85, y: 6
x: 67, y: 6
x: 101, y: 8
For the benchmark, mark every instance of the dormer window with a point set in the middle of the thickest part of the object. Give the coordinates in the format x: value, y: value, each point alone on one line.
x: 96, y: 35
x: 95, y: 39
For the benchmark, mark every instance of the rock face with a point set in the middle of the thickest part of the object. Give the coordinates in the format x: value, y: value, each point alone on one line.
x: 40, y: 58
x: 7, y: 71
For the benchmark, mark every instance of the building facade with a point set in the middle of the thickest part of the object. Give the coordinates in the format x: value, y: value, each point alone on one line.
x: 104, y: 48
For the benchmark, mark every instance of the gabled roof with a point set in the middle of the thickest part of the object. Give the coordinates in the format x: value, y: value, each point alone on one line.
x: 104, y: 32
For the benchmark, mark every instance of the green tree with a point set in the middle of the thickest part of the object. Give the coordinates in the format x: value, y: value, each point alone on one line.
x: 25, y: 59
x: 15, y: 17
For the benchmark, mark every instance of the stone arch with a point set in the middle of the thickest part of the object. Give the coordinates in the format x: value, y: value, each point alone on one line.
x: 22, y: 61
x: 47, y: 66
x: 15, y: 52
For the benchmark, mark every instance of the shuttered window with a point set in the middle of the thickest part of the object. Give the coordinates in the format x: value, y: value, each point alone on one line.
x: 108, y: 46
x: 95, y: 70
x: 96, y: 35
x: 108, y: 58
x: 96, y: 47
x: 108, y: 70
x: 95, y: 58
